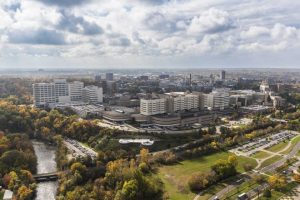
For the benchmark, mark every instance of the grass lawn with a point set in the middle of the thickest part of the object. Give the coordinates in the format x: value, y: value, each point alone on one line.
x: 176, y: 176
x: 294, y: 141
x: 261, y: 155
x: 1, y: 194
x: 270, y: 161
x: 278, y: 147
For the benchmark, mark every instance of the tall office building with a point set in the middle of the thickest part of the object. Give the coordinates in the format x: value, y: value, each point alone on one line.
x: 217, y: 99
x: 43, y: 94
x: 75, y: 90
x: 111, y: 87
x: 98, y: 78
x: 222, y: 75
x: 92, y: 94
x: 109, y: 76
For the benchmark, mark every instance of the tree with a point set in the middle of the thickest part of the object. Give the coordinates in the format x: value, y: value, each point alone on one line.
x: 144, y: 154
x: 78, y: 167
x: 248, y: 167
x: 233, y: 160
x: 267, y: 193
x: 259, y: 179
x: 24, y: 193
x: 224, y: 130
x: 212, y: 130
x: 198, y: 182
x: 277, y: 182
x: 129, y: 191
x: 296, y: 177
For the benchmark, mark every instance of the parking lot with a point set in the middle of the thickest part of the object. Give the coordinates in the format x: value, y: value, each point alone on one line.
x: 119, y: 126
x: 259, y: 144
x: 78, y: 150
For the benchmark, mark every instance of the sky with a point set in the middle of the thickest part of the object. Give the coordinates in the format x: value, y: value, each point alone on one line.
x: 149, y: 33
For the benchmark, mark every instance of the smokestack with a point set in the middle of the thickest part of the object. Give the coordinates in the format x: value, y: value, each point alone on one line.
x: 190, y: 79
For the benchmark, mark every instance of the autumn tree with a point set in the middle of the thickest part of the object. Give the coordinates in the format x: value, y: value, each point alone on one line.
x: 277, y: 182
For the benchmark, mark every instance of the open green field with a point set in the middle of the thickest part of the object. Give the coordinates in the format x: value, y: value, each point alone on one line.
x: 270, y: 161
x: 261, y: 155
x: 294, y: 141
x: 176, y: 176
x: 278, y: 147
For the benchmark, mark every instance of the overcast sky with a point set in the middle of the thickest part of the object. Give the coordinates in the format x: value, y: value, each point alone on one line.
x: 149, y: 33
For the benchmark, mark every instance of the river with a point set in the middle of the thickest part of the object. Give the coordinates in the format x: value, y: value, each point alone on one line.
x: 46, y: 164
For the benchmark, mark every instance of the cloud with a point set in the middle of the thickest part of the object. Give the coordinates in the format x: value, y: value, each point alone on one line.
x: 37, y: 37
x: 189, y: 29
x: 77, y: 24
x: 278, y: 31
x: 122, y: 41
x: 158, y: 22
x: 65, y: 3
x: 211, y: 21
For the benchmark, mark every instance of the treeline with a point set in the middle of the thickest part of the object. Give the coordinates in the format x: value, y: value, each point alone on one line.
x: 121, y: 179
x: 19, y: 87
x: 17, y: 164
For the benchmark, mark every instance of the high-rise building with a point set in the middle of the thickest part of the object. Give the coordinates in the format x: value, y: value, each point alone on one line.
x: 75, y: 90
x: 43, y: 94
x: 170, y: 103
x: 111, y: 87
x: 177, y: 101
x: 109, y: 76
x: 61, y: 87
x: 98, y: 78
x: 92, y: 94
x: 217, y: 99
x: 222, y: 75
x: 153, y: 106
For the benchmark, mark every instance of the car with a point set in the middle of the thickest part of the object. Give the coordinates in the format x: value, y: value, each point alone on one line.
x: 243, y: 196
x: 216, y: 198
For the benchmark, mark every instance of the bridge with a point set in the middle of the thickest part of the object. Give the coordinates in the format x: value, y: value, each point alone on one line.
x: 53, y: 176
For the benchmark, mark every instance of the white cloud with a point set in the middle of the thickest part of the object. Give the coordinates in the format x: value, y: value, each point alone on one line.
x: 211, y: 21
x: 162, y: 29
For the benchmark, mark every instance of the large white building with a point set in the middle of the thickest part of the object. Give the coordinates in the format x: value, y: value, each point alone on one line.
x: 169, y: 103
x: 61, y: 87
x: 44, y: 94
x: 153, y: 106
x: 181, y: 101
x: 60, y: 91
x: 75, y: 90
x: 92, y: 94
x: 217, y: 99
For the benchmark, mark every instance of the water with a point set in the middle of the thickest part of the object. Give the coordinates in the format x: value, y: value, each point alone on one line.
x: 46, y: 164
